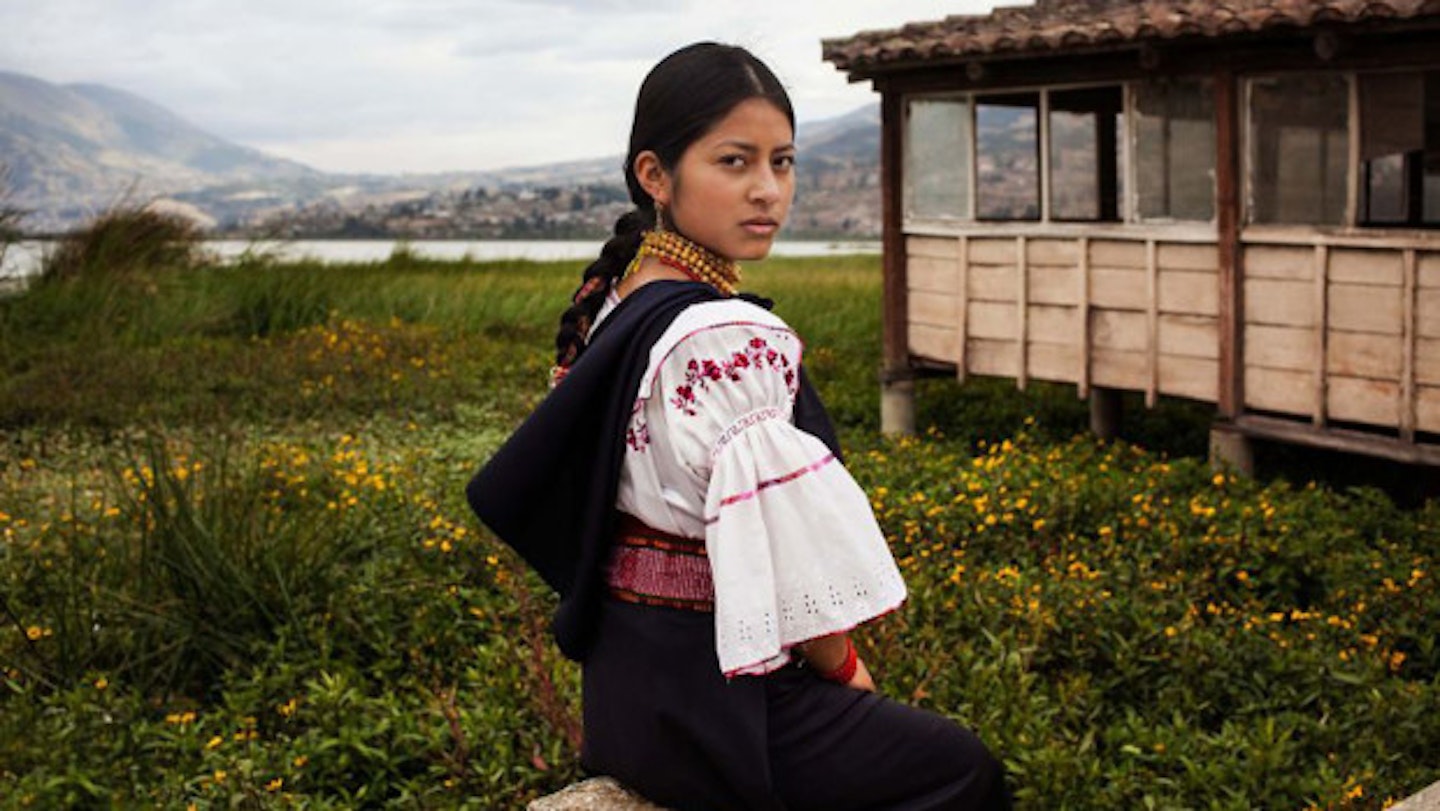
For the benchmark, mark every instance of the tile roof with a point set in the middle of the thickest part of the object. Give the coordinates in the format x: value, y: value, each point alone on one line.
x: 1057, y: 26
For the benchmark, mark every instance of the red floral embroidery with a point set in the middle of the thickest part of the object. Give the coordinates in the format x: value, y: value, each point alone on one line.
x: 638, y: 437
x: 701, y: 372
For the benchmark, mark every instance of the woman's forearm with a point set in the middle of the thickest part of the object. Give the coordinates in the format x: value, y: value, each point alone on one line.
x: 825, y: 653
x: 834, y: 658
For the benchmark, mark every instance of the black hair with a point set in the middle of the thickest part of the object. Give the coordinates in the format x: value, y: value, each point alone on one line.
x: 681, y: 99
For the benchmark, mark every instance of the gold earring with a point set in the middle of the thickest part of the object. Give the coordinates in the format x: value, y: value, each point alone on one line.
x: 659, y: 216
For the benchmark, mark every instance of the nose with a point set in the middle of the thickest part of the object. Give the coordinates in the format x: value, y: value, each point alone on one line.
x: 766, y: 188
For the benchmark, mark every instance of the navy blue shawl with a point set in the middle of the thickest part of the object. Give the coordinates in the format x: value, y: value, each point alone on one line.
x: 549, y: 491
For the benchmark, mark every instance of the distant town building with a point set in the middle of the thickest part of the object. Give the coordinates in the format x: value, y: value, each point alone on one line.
x: 1233, y: 201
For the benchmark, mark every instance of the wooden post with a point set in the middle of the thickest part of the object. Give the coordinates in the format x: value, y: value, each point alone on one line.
x: 1106, y: 411
x: 1152, y: 323
x: 1231, y: 387
x: 897, y: 387
x: 1082, y: 378
x: 1322, y: 333
x: 1022, y: 315
x: 1409, y: 328
x: 962, y: 268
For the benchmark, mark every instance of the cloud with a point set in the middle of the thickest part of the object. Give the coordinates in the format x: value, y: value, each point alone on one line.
x: 391, y: 85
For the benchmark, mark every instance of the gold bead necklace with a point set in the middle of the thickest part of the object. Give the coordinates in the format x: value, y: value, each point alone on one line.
x: 688, y: 257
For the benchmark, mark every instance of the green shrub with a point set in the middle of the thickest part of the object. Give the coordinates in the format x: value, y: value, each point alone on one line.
x: 124, y: 242
x: 1124, y: 628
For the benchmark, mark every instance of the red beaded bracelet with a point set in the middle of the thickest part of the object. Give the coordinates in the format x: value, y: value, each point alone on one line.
x: 846, y: 670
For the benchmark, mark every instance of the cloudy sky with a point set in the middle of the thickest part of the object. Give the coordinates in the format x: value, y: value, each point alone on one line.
x: 428, y: 85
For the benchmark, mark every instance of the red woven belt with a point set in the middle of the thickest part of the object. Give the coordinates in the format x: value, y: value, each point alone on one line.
x: 651, y: 567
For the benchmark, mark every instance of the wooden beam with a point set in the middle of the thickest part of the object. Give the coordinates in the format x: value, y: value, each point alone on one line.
x: 896, y: 351
x: 1231, y: 388
x: 962, y: 268
x: 1322, y: 333
x: 1408, y: 330
x: 1338, y: 439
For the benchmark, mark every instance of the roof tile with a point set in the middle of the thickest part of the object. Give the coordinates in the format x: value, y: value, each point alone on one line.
x: 1057, y: 26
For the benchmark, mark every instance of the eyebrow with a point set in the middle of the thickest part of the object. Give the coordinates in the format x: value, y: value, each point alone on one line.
x: 747, y: 146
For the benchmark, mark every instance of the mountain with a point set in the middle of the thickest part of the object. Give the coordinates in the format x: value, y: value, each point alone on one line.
x: 73, y: 150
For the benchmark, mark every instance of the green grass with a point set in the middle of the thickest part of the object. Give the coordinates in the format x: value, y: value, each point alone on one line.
x: 237, y: 569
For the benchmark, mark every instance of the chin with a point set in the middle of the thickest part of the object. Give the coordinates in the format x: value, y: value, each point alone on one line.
x: 753, y: 250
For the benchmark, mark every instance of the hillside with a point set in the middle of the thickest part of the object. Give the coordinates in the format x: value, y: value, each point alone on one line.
x: 73, y: 150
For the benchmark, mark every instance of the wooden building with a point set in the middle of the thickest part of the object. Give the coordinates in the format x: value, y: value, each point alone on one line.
x: 1234, y: 201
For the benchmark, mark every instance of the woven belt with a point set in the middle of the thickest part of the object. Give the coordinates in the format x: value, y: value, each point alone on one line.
x: 651, y: 567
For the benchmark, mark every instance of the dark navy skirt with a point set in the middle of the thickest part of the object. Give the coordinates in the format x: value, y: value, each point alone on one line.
x: 660, y: 718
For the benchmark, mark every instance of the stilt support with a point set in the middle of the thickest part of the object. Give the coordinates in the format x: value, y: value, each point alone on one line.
x: 1105, y: 413
x: 897, y: 403
x: 1231, y: 449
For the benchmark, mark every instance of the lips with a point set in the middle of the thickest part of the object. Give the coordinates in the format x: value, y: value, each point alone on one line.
x: 761, y: 226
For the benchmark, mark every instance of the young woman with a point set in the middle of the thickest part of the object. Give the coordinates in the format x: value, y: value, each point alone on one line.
x: 681, y: 489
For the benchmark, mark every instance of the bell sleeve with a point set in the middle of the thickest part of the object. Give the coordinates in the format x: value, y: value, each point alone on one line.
x: 794, y: 549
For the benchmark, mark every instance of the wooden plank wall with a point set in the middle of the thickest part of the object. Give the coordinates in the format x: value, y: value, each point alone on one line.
x: 1341, y: 333
x: 1137, y: 314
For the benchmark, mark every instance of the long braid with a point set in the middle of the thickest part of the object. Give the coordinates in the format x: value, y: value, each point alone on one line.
x: 595, y: 283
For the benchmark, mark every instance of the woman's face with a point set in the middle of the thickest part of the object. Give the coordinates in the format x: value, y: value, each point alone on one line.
x: 731, y: 189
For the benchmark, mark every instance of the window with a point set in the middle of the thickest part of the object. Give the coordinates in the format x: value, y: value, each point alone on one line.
x: 1399, y: 149
x: 1299, y: 149
x: 937, y: 158
x: 1174, y: 143
x: 1007, y: 157
x: 1085, y: 159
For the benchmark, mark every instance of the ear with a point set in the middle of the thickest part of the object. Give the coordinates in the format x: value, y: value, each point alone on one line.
x: 653, y: 177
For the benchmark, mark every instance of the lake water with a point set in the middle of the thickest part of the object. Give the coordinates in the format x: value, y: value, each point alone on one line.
x: 23, y: 259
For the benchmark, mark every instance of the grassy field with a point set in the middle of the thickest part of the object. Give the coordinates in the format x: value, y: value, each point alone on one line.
x: 237, y: 570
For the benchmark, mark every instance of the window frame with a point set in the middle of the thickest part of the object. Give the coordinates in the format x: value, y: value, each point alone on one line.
x: 1127, y: 206
x: 968, y: 148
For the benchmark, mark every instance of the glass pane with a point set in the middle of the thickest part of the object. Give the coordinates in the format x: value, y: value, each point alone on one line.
x: 1430, y: 163
x: 1392, y: 137
x: 1175, y: 150
x: 1432, y: 197
x: 937, y: 167
x: 1084, y: 159
x: 1385, y: 189
x: 1007, y: 157
x: 1299, y: 149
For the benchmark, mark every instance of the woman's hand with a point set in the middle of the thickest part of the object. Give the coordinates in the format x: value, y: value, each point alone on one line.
x: 825, y: 654
x: 862, y: 679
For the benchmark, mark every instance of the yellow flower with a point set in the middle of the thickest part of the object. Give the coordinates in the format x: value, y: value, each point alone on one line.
x: 215, y: 742
x: 101, y: 683
x: 34, y: 632
x: 275, y: 785
x: 220, y: 775
x: 300, y: 761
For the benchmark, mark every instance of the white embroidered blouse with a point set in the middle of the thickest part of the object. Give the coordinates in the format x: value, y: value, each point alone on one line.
x: 795, y: 552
